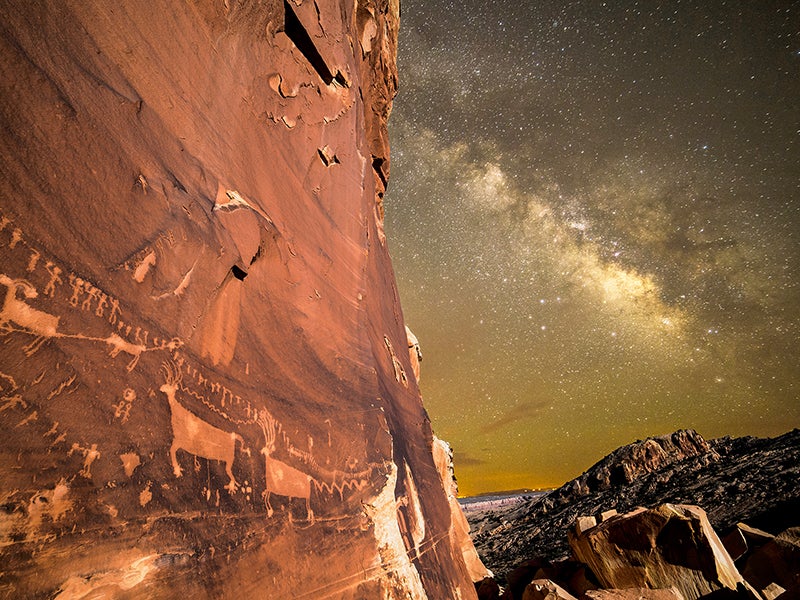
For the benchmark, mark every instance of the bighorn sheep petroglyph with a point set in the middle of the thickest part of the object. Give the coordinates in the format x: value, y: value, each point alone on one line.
x: 281, y: 479
x: 14, y: 310
x: 195, y: 436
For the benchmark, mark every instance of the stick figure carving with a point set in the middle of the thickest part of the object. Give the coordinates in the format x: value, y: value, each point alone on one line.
x: 195, y: 436
x: 37, y: 322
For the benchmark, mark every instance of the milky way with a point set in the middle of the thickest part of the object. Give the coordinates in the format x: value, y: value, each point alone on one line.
x: 593, y: 213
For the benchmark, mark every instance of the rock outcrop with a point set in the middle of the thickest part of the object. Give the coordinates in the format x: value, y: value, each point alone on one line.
x: 204, y: 382
x: 743, y: 479
x: 459, y: 527
x: 668, y: 546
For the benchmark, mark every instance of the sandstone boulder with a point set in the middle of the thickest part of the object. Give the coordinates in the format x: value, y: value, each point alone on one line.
x: 669, y: 546
x: 544, y: 589
x: 488, y: 589
x: 635, y: 594
x: 777, y: 561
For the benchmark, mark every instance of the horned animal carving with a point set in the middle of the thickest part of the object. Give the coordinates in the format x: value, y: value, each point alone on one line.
x: 281, y: 479
x: 37, y: 322
x: 195, y: 436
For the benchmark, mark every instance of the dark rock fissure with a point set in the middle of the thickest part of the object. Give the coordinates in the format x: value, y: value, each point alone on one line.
x: 299, y: 36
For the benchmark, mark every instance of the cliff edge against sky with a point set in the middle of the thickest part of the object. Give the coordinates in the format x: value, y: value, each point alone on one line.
x: 205, y: 382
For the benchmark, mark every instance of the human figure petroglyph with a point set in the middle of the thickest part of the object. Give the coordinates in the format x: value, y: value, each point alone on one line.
x: 77, y: 289
x: 193, y: 435
x: 123, y: 409
x: 35, y: 256
x: 89, y: 456
x: 55, y: 279
x: 93, y: 294
x: 43, y: 325
x: 281, y: 479
x: 115, y: 313
x: 4, y: 222
x: 101, y: 304
x: 16, y: 238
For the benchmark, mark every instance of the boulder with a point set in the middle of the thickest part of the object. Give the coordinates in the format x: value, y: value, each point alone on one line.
x: 544, y: 589
x: 669, y: 546
x: 488, y: 589
x: 635, y: 594
x: 777, y: 561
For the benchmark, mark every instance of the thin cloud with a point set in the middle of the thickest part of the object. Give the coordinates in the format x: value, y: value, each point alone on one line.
x: 462, y: 459
x: 518, y: 413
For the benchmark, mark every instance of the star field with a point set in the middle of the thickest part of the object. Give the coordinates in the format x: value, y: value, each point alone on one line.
x: 593, y: 214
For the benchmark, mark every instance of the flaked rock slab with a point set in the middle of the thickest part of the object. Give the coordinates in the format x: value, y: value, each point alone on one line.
x: 544, y: 589
x: 777, y: 561
x: 672, y: 545
x: 635, y: 594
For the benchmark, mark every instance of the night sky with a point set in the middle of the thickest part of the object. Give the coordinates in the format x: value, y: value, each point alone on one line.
x: 593, y: 213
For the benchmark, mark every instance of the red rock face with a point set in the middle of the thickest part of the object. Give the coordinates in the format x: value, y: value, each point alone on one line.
x: 204, y: 382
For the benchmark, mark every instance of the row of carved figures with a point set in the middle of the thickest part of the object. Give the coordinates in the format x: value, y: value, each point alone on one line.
x: 195, y: 436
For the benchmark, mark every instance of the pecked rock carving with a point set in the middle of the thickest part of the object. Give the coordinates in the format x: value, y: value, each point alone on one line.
x: 193, y: 435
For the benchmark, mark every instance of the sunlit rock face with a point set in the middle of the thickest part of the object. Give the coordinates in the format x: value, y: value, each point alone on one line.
x: 204, y: 382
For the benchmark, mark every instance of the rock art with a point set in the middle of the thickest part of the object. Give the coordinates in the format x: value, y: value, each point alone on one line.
x: 672, y: 545
x: 203, y: 377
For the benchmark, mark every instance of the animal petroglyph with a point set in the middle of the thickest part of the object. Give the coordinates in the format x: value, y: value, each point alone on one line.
x: 193, y: 435
x: 11, y: 402
x: 41, y: 324
x: 282, y: 479
x: 120, y: 345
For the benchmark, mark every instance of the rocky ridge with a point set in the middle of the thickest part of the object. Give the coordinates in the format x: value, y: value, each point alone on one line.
x: 734, y: 479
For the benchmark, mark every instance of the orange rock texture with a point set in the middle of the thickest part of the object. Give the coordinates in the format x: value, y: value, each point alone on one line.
x: 205, y: 386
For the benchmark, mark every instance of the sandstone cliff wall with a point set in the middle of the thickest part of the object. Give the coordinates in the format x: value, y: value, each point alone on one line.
x: 204, y: 376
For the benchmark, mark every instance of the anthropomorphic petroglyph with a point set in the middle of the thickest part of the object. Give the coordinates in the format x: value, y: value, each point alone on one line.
x: 41, y: 324
x: 193, y: 435
x: 33, y: 260
x: 77, y: 289
x: 281, y: 479
x: 16, y: 238
x: 89, y: 456
x: 122, y: 410
x: 55, y: 279
x: 112, y: 316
